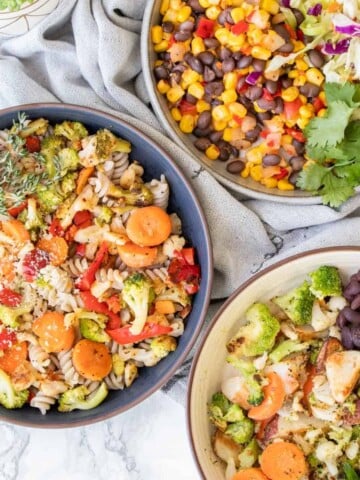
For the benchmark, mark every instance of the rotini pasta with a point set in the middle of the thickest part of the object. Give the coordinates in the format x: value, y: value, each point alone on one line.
x: 92, y: 291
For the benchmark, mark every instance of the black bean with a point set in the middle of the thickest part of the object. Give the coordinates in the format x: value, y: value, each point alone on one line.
x: 182, y: 36
x: 341, y: 320
x: 246, y: 102
x: 254, y: 92
x: 224, y: 154
x: 215, y: 136
x: 209, y: 74
x: 228, y: 65
x: 222, y: 17
x: 355, y: 336
x: 288, y: 47
x: 286, y: 82
x: 175, y: 76
x: 195, y: 6
x: 252, y: 135
x: 310, y: 90
x: 235, y: 167
x: 168, y: 27
x: 316, y: 58
x: 216, y: 66
x: 165, y: 56
x: 351, y: 289
x: 207, y: 58
x: 224, y: 53
x: 346, y: 338
x: 355, y: 304
x: 178, y: 68
x: 161, y: 73
x: 351, y: 316
x: 279, y: 105
x: 244, y: 61
x: 240, y: 83
x: 211, y: 43
x: 259, y: 65
x: 299, y: 146
x: 297, y: 163
x: 234, y: 151
x: 204, y: 119
x: 202, y: 132
x: 187, y: 26
x: 262, y: 116
x: 271, y: 159
x: 194, y: 63
x: 281, y: 30
x: 202, y: 144
x: 190, y: 98
x: 293, y: 178
x: 271, y: 86
x: 216, y: 101
x: 298, y: 15
x: 214, y: 88
x: 237, y: 55
x: 265, y: 104
x: 229, y: 18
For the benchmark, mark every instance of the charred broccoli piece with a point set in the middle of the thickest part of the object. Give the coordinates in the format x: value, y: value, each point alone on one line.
x: 9, y: 315
x: 92, y: 326
x: 97, y: 148
x: 68, y: 161
x: 297, y: 304
x: 241, y: 432
x: 176, y: 294
x: 139, y: 195
x: 73, y: 131
x: 68, y: 183
x: 103, y: 215
x: 163, y: 345
x: 32, y: 218
x: 49, y: 198
x: 222, y: 411
x: 138, y: 294
x: 35, y: 127
x: 50, y: 148
x: 285, y: 348
x: 248, y: 372
x: 258, y: 334
x: 78, y: 398
x: 9, y: 397
x: 325, y: 282
x: 250, y: 454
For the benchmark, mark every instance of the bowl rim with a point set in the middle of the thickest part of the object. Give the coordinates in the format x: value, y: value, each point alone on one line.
x: 208, y: 246
x: 252, y: 193
x: 219, y: 313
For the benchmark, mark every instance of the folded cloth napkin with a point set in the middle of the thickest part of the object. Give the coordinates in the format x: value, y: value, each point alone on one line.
x: 88, y: 53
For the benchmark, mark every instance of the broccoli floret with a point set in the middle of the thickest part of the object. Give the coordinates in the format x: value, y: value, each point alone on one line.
x: 176, y: 294
x: 241, y: 432
x: 103, y: 215
x: 325, y: 282
x: 35, y: 127
x: 163, y: 345
x: 139, y: 195
x: 258, y: 334
x: 118, y: 364
x: 92, y: 327
x: 297, y: 304
x: 285, y: 348
x: 250, y: 454
x: 49, y: 198
x: 248, y: 372
x: 234, y: 414
x: 138, y: 294
x: 97, y: 148
x: 68, y: 183
x: 9, y: 315
x: 9, y: 397
x: 50, y: 148
x: 32, y: 218
x: 68, y: 160
x: 218, y: 408
x: 73, y: 131
x: 78, y: 398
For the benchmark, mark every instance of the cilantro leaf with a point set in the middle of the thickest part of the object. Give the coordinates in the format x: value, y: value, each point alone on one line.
x: 335, y: 190
x: 341, y: 92
x: 311, y: 177
x: 329, y: 130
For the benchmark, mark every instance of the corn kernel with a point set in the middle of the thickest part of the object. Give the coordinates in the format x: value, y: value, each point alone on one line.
x: 183, y: 14
x: 237, y: 109
x: 246, y: 172
x: 196, y: 90
x: 164, y: 7
x: 322, y: 112
x: 230, y: 80
x: 255, y: 36
x: 174, y: 94
x: 176, y: 114
x: 213, y: 12
x: 219, y: 125
x: 235, y: 42
x: 229, y: 96
x: 204, y: 3
x: 306, y: 111
x: 298, y: 45
x: 269, y: 182
x: 303, y: 99
x: 290, y: 94
x: 322, y: 97
x: 170, y: 16
x: 255, y: 155
x: 163, y: 87
x: 197, y: 45
x: 187, y: 123
x: 314, y: 76
x: 293, y: 74
x: 302, y: 122
x: 214, y: 2
x: 156, y: 34
x: 260, y: 53
x: 202, y: 106
x: 301, y: 64
x: 285, y: 185
x: 258, y: 109
x: 286, y: 140
x: 161, y: 47
x: 271, y: 6
x: 222, y: 35
x: 256, y: 172
x: 227, y: 134
x: 175, y: 4
x: 212, y: 152
x: 158, y: 63
x: 188, y: 77
x: 221, y: 113
x: 299, y: 81
x: 237, y: 14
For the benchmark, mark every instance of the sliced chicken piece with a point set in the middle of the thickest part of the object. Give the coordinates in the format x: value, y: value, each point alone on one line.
x: 343, y: 373
x: 290, y: 370
x: 226, y: 449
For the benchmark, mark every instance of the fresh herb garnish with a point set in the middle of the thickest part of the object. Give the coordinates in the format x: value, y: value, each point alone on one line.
x: 349, y: 472
x: 333, y: 143
x: 13, y: 5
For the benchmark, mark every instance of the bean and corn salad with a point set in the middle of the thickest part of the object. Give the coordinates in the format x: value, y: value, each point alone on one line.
x: 213, y: 68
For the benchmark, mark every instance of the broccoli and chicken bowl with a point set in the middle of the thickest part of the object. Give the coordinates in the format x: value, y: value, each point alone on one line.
x: 282, y: 401
x: 100, y: 272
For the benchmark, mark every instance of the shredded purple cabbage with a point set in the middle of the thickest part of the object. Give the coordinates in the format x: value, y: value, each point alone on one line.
x: 253, y: 77
x: 336, y: 48
x: 285, y: 3
x: 315, y: 10
x: 346, y: 26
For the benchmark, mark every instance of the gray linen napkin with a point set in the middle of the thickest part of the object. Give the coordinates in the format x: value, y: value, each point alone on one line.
x: 87, y: 52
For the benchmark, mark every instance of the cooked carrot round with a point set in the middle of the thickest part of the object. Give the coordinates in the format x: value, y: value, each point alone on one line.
x: 53, y: 335
x: 148, y: 226
x: 56, y: 247
x: 16, y: 230
x: 274, y: 396
x: 13, y: 357
x: 283, y: 461
x: 91, y: 359
x: 135, y: 256
x: 249, y: 474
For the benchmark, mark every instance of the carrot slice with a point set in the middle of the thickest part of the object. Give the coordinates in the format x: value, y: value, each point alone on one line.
x: 91, y: 359
x: 274, y: 396
x: 148, y: 226
x: 56, y: 247
x: 84, y: 175
x: 13, y: 357
x: 136, y: 256
x: 7, y: 270
x: 165, y: 306
x: 16, y: 230
x: 250, y: 474
x: 283, y: 461
x: 53, y: 335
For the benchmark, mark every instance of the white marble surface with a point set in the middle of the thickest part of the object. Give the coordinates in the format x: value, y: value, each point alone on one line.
x: 147, y: 443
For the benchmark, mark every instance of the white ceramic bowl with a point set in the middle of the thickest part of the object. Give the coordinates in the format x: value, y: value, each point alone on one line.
x: 22, y: 20
x: 210, y: 358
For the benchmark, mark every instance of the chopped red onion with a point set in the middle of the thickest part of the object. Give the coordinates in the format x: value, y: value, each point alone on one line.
x: 345, y: 25
x: 336, y: 48
x: 285, y: 3
x: 253, y: 77
x: 315, y: 10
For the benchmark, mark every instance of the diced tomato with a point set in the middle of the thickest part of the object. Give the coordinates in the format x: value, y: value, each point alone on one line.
x: 296, y: 134
x: 264, y: 133
x: 273, y: 140
x: 92, y: 303
x: 318, y: 104
x: 187, y: 108
x: 291, y: 109
x: 283, y: 173
x: 191, y: 288
x: 33, y: 262
x: 267, y: 95
x: 56, y: 229
x: 9, y: 297
x: 179, y: 271
x: 238, y: 119
x: 123, y: 335
x: 171, y: 41
x: 239, y: 27
x: 205, y: 28
x: 188, y: 254
x: 33, y: 144
x: 7, y: 338
x: 300, y: 35
x: 82, y: 217
x: 14, y: 211
x: 87, y: 278
x: 291, y: 31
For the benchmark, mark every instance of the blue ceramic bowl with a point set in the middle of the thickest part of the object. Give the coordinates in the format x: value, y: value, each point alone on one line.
x: 183, y: 201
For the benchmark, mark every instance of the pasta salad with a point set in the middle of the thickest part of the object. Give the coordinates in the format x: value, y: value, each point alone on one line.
x: 96, y: 278
x: 289, y: 403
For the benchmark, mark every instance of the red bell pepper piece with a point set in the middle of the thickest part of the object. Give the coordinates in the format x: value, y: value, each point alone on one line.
x: 33, y: 144
x: 123, y: 335
x: 318, y: 104
x: 296, y: 134
x: 56, y: 229
x: 187, y: 108
x: 179, y: 271
x: 33, y: 262
x: 205, y: 28
x: 14, y: 211
x: 87, y: 278
x: 92, y: 303
x: 7, y: 338
x: 239, y: 27
x: 291, y: 109
x: 82, y: 217
x: 80, y: 249
x: 188, y: 254
x: 267, y: 95
x: 10, y: 298
x: 283, y: 173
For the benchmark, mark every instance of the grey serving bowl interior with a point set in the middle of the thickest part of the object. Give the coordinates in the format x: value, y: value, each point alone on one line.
x: 184, y: 202
x: 245, y: 186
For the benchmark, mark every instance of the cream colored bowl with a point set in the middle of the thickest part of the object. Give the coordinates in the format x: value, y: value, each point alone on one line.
x: 210, y: 358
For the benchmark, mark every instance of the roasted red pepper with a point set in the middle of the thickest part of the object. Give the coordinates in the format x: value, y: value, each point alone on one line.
x: 296, y: 134
x: 33, y: 144
x: 14, y: 211
x: 92, y: 303
x: 87, y: 278
x: 283, y: 173
x: 10, y: 298
x: 7, y: 338
x: 205, y: 28
x: 123, y: 335
x: 182, y: 268
x: 240, y: 27
x: 56, y: 229
x: 187, y: 254
x: 83, y: 217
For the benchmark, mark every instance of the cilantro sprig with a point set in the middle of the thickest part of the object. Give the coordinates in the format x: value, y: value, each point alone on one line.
x: 333, y: 143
